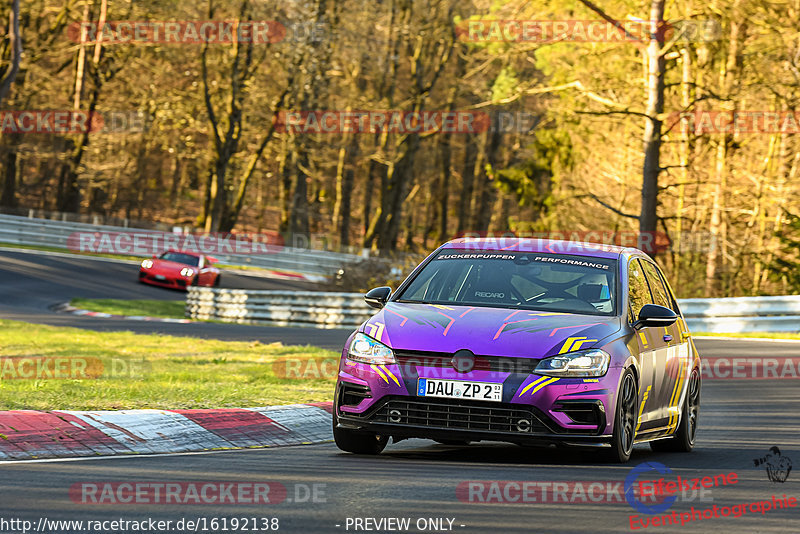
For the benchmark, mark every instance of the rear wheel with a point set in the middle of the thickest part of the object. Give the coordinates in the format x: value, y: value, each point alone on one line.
x: 357, y: 442
x: 216, y: 280
x: 683, y: 440
x: 625, y: 419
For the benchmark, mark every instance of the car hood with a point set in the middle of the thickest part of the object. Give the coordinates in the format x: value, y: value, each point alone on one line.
x: 486, y: 331
x: 170, y: 267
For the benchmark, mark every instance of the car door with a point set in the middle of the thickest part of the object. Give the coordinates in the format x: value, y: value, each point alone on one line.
x: 677, y: 357
x: 204, y: 272
x: 653, y: 348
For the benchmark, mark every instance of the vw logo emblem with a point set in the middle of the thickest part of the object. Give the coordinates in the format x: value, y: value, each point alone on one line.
x: 463, y: 361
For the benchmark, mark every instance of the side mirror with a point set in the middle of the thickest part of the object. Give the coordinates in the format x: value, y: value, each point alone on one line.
x: 655, y: 315
x: 376, y: 298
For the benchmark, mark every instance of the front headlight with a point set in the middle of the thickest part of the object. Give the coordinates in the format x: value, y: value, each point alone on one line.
x: 367, y: 350
x: 187, y: 271
x: 146, y: 264
x: 592, y: 362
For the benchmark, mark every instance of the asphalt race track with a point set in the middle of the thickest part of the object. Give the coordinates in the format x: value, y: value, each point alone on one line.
x: 740, y: 420
x: 31, y: 283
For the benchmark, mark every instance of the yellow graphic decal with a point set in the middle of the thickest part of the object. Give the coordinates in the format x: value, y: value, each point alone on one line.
x: 375, y: 330
x: 377, y: 370
x: 441, y: 307
x: 673, y: 418
x: 641, y: 408
x: 591, y: 380
x: 538, y: 384
x: 574, y: 343
x: 529, y: 386
x: 643, y: 338
x: 543, y: 384
x: 388, y: 372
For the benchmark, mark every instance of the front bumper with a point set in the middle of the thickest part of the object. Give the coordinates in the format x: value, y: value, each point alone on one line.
x: 174, y: 283
x: 568, y: 410
x: 445, y: 419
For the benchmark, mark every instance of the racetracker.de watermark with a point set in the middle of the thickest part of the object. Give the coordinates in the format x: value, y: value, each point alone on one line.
x: 196, y: 492
x: 586, y: 31
x: 569, y: 492
x: 144, y: 32
x: 650, y: 242
x: 70, y: 368
x: 403, y: 122
x: 152, y: 243
x: 752, y: 368
x: 50, y: 121
x: 306, y: 368
x: 701, y: 122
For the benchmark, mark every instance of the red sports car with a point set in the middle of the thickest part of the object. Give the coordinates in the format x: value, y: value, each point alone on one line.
x: 178, y: 269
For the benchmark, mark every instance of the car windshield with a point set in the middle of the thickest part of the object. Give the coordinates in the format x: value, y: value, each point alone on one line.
x: 523, y: 280
x: 177, y: 257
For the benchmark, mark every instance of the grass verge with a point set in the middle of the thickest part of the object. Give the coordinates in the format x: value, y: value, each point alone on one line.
x: 762, y: 335
x: 152, y: 371
x: 153, y: 308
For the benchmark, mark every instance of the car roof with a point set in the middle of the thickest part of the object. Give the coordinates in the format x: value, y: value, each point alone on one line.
x: 545, y: 246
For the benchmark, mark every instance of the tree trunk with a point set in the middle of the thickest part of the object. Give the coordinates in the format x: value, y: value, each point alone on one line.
x: 285, y: 176
x: 15, y: 38
x: 344, y: 189
x: 488, y: 193
x: 648, y: 218
x: 727, y: 74
x: 298, y: 222
x: 8, y: 198
x: 467, y: 185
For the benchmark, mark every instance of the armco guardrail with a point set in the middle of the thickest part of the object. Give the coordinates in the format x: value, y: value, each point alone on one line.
x: 278, y: 308
x: 348, y: 310
x: 50, y: 233
x: 743, y: 314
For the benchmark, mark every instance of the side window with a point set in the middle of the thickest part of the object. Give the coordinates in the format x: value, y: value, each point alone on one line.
x: 660, y: 295
x: 638, y: 291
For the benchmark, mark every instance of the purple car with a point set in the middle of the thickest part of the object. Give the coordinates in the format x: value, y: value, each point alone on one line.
x: 526, y: 341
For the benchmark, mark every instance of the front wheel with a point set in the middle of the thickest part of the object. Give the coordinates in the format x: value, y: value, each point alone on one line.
x: 625, y: 419
x: 683, y: 440
x: 357, y: 442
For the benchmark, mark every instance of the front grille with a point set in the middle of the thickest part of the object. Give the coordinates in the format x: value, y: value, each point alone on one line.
x: 444, y: 413
x: 501, y: 364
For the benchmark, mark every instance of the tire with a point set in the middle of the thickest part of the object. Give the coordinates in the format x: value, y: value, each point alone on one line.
x: 357, y: 442
x: 684, y: 438
x: 626, y: 418
x: 216, y: 280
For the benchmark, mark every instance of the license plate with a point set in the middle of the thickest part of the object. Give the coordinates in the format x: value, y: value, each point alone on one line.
x: 160, y: 277
x: 459, y: 389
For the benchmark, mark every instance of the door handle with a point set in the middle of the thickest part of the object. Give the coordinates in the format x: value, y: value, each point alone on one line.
x: 667, y: 338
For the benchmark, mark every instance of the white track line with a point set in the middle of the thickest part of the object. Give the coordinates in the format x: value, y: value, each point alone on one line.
x: 6, y: 463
